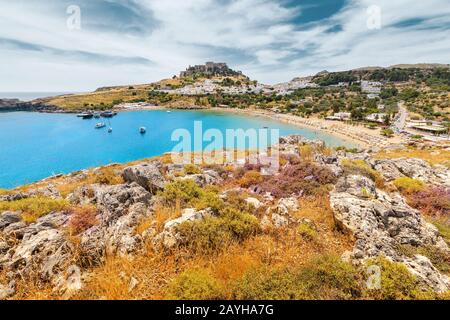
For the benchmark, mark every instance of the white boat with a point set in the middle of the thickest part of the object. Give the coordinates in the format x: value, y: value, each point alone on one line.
x: 142, y: 130
x: 100, y: 125
x: 109, y: 129
x: 168, y: 111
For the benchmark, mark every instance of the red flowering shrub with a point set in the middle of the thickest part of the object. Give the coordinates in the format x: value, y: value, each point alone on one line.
x: 434, y: 201
x: 303, y: 178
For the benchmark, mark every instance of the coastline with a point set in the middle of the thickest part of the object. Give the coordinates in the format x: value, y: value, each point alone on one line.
x: 311, y: 124
x: 351, y: 134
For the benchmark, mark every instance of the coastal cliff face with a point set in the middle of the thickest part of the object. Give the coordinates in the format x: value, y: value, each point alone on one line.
x: 17, y: 105
x: 153, y: 229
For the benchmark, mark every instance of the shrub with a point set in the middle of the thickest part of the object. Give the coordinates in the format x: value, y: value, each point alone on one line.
x: 182, y: 190
x: 34, y: 208
x: 251, y: 178
x: 387, y: 132
x: 307, y: 231
x: 82, y: 218
x: 444, y: 228
x: 326, y: 277
x: 397, y: 283
x: 266, y: 284
x: 195, y: 285
x: 214, y: 233
x: 434, y: 201
x: 408, y: 185
x: 360, y: 167
x: 295, y: 179
x: 108, y: 176
x: 306, y: 152
x: 191, y: 169
x: 187, y: 192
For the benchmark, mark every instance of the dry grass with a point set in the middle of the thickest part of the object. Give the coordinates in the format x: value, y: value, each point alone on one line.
x: 34, y: 208
x: 433, y: 157
x: 155, y: 270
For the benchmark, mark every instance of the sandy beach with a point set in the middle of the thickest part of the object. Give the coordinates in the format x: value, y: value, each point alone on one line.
x: 356, y: 134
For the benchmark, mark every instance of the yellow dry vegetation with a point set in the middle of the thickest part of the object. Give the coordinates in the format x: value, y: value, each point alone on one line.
x: 433, y: 157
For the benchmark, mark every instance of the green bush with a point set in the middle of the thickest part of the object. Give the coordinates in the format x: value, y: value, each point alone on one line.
x: 444, y: 229
x: 397, y: 283
x: 387, y: 132
x: 190, y: 194
x: 195, y: 285
x: 191, y: 169
x: 34, y: 208
x: 307, y: 231
x: 326, y: 277
x: 251, y: 178
x: 215, y: 233
x: 181, y: 190
x: 266, y: 284
x: 108, y: 176
x: 408, y: 185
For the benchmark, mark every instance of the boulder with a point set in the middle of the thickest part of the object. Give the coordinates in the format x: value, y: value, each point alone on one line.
x: 254, y: 202
x: 147, y: 175
x: 82, y: 195
x: 380, y: 222
x: 121, y: 237
x: 286, y: 205
x: 46, y: 253
x: 169, y: 238
x: 7, y: 291
x: 8, y: 217
x: 114, y: 201
x: 68, y: 283
x: 205, y: 178
x: 419, y: 169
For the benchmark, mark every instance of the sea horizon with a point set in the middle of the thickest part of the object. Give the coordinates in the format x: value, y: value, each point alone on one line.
x: 32, y: 95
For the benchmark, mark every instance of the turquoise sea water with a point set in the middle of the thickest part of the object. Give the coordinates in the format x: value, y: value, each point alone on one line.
x: 34, y: 146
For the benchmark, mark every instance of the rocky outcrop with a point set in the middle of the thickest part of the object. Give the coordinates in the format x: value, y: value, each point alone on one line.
x: 7, y: 218
x: 169, y: 237
x: 121, y: 208
x: 17, y: 105
x: 381, y: 222
x: 392, y: 169
x: 205, y: 178
x: 147, y: 175
x: 290, y: 144
x: 114, y: 201
x: 281, y: 214
x: 42, y: 249
x: 48, y: 191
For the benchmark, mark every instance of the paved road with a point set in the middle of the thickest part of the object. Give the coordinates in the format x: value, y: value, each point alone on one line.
x: 400, y: 119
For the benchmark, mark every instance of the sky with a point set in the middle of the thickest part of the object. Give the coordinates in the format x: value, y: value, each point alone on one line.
x: 80, y: 45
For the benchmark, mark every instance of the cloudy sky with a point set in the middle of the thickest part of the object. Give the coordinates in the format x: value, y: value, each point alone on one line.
x: 131, y: 41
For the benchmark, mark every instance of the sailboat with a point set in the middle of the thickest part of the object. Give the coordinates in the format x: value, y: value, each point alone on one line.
x: 109, y: 128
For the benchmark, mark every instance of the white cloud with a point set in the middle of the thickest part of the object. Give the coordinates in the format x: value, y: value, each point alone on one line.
x: 260, y: 37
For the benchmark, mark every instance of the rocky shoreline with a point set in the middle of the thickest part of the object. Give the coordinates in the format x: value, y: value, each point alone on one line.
x: 8, y: 105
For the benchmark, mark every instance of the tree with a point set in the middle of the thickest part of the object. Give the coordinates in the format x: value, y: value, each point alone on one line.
x: 387, y: 132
